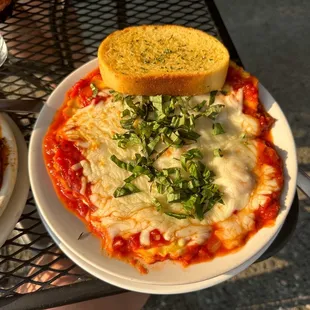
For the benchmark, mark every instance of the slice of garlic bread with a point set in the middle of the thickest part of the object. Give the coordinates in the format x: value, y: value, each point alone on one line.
x: 168, y: 59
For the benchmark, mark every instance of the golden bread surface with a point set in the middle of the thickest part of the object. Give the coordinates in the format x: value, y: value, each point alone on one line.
x: 168, y: 59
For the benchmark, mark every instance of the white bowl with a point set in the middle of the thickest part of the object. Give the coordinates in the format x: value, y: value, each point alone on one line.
x: 10, y: 171
x: 154, y: 288
x: 20, y: 188
x: 68, y: 227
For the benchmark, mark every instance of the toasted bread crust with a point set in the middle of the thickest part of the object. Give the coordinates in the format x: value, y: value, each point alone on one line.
x: 199, y: 66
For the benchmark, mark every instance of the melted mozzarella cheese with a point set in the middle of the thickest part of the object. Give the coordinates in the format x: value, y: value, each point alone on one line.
x: 93, y: 127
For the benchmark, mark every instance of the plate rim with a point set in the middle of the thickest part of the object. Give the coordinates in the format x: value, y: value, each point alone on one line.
x: 155, y: 289
x: 19, y: 196
x: 10, y: 171
x: 91, y: 65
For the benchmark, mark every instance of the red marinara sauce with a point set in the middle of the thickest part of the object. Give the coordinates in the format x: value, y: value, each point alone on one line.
x: 82, y: 89
x: 124, y: 247
x: 61, y: 155
x: 238, y: 78
x: 267, y: 213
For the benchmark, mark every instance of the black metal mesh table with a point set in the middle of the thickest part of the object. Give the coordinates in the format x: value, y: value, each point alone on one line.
x: 47, y: 40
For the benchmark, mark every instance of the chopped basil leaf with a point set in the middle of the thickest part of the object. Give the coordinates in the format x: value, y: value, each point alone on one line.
x: 172, y: 138
x: 161, y: 187
x: 157, y: 103
x: 218, y: 153
x: 189, y: 134
x: 161, y: 153
x: 126, y: 139
x: 244, y: 139
x: 196, y: 169
x: 94, y: 89
x: 189, y: 155
x: 127, y: 123
x: 116, y: 95
x: 151, y: 146
x: 212, y: 97
x: 179, y: 216
x: 126, y: 113
x: 181, y: 184
x: 190, y: 203
x: 174, y: 196
x: 157, y: 204
x: 174, y: 173
x: 199, y: 211
x: 131, y: 178
x: 179, y: 121
x: 163, y: 183
x: 139, y: 170
x: 217, y: 129
x: 193, y: 154
x: 191, y: 122
x: 199, y: 106
x: 125, y: 190
x: 143, y: 170
x: 193, y: 184
x: 122, y: 164
x: 212, y: 112
x: 243, y: 136
x: 83, y: 235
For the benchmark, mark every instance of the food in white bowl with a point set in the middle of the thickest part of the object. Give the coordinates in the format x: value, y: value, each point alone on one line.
x: 8, y: 163
x: 15, y: 184
x: 162, y: 179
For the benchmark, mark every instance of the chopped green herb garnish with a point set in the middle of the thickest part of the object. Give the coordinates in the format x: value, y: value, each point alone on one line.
x: 218, y: 153
x: 157, y: 204
x: 212, y: 111
x: 244, y: 139
x: 189, y: 155
x: 212, y: 97
x: 83, y: 235
x: 179, y: 216
x: 127, y: 139
x: 217, y: 129
x: 156, y: 123
x: 174, y: 196
x: 116, y: 95
x: 122, y: 164
x: 94, y: 89
x: 168, y: 51
x: 199, y: 106
x: 125, y: 190
x: 127, y: 123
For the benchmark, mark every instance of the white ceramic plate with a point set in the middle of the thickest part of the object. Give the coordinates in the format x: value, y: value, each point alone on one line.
x: 20, y: 192
x: 10, y: 171
x: 167, y: 273
x: 149, y: 288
